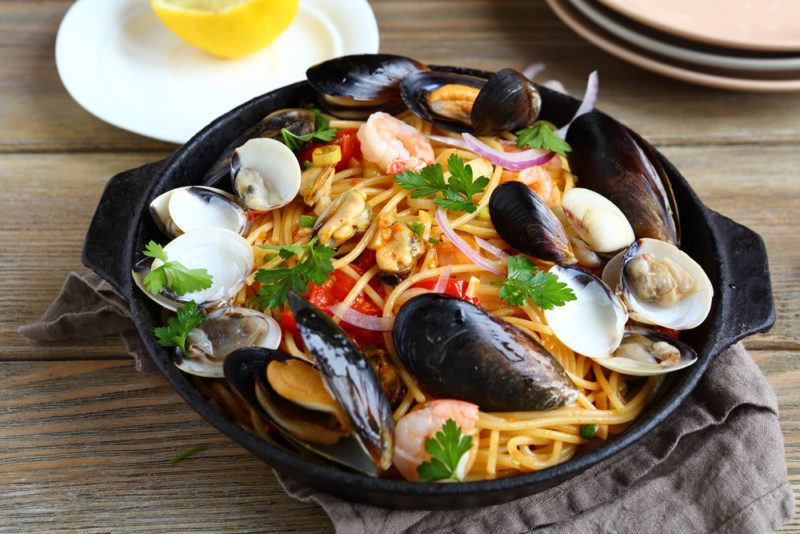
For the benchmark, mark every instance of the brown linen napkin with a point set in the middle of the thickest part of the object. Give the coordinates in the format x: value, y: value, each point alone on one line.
x: 716, y: 465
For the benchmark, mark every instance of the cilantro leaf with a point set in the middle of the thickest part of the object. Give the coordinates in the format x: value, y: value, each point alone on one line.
x: 525, y: 282
x: 187, y: 318
x: 314, y: 265
x: 417, y: 227
x: 307, y: 221
x: 172, y: 274
x: 541, y: 136
x: 323, y: 132
x: 446, y: 449
x: 456, y: 193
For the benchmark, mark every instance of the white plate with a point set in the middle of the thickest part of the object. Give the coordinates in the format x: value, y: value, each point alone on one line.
x: 121, y: 64
x: 684, y: 53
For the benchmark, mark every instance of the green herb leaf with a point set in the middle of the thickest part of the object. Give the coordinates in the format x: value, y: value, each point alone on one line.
x: 446, y: 450
x: 307, y: 221
x: 314, y: 265
x: 323, y: 133
x: 456, y: 193
x: 417, y: 227
x: 185, y: 454
x: 589, y: 431
x: 541, y: 136
x: 173, y: 275
x: 433, y: 241
x: 187, y: 318
x: 526, y: 282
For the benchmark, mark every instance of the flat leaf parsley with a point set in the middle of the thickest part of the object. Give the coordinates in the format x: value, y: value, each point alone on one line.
x: 525, y: 282
x: 313, y: 265
x: 541, y: 136
x: 457, y: 192
x: 187, y: 318
x: 173, y: 275
x: 446, y: 450
x: 322, y: 132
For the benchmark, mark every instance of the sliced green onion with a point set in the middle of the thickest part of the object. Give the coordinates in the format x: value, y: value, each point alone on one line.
x: 589, y: 431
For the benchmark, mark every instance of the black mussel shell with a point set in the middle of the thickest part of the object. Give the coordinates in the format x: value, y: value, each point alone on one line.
x: 609, y: 160
x: 417, y: 87
x: 459, y: 351
x: 296, y: 120
x: 525, y: 222
x: 349, y: 377
x: 508, y: 101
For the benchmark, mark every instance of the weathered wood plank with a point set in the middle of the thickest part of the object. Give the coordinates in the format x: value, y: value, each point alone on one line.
x: 36, y: 114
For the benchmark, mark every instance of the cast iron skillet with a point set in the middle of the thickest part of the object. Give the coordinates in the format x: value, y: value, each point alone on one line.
x: 733, y: 256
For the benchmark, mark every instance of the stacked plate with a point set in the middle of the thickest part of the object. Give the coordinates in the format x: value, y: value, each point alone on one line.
x: 741, y: 45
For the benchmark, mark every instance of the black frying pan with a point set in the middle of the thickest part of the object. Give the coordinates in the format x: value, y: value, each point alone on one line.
x: 733, y: 256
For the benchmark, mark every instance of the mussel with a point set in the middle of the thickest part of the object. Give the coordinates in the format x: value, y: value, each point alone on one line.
x: 610, y: 161
x: 525, y: 222
x: 594, y: 323
x: 644, y: 352
x: 348, y: 215
x: 296, y: 120
x: 265, y: 173
x: 457, y: 350
x: 356, y: 86
x: 463, y: 103
x: 660, y: 284
x: 181, y: 210
x: 225, y: 330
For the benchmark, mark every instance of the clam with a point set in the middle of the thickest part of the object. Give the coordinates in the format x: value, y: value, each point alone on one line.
x: 594, y: 323
x: 343, y: 218
x: 296, y: 120
x: 610, y: 161
x: 266, y: 174
x: 225, y: 330
x: 457, y: 350
x: 463, y: 103
x: 184, y: 209
x: 358, y: 85
x: 644, y: 352
x: 525, y: 222
x: 227, y: 257
x: 597, y: 221
x: 660, y: 284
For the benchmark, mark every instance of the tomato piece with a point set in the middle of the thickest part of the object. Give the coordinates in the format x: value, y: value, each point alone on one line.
x: 366, y: 260
x: 455, y: 288
x: 348, y: 143
x: 669, y: 332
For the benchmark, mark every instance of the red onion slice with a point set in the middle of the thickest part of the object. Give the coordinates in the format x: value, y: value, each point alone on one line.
x: 452, y: 141
x: 441, y: 283
x: 589, y: 101
x: 491, y: 249
x: 362, y: 320
x: 532, y: 70
x: 513, y: 161
x: 477, y: 259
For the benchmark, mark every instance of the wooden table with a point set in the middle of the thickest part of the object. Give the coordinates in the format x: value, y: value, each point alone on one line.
x: 85, y: 441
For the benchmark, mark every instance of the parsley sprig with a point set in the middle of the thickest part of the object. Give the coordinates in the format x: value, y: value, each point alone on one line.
x: 541, y: 136
x: 446, y: 450
x: 173, y: 275
x: 525, y: 282
x: 314, y: 265
x: 322, y: 132
x: 456, y: 193
x: 186, y: 319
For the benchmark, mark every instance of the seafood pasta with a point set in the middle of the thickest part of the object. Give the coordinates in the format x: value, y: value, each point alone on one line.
x: 426, y: 281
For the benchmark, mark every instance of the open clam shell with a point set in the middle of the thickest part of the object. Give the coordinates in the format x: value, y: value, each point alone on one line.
x: 597, y: 221
x: 266, y: 174
x: 184, y: 209
x: 644, y: 352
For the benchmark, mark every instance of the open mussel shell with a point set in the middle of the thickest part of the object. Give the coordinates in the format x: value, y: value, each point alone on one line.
x: 459, y: 351
x: 227, y: 257
x: 611, y: 162
x: 184, y: 209
x: 442, y: 98
x: 526, y: 223
x: 507, y: 102
x: 265, y: 173
x: 644, y: 352
x: 593, y: 324
x: 349, y: 377
x: 660, y: 284
x: 225, y: 330
x: 356, y: 86
x: 296, y: 120
x: 597, y: 221
x: 246, y: 371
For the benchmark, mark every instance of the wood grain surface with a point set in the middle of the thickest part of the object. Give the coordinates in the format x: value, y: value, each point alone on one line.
x: 85, y: 441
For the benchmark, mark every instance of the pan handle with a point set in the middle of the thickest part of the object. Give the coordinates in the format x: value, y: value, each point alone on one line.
x: 746, y: 305
x: 106, y: 249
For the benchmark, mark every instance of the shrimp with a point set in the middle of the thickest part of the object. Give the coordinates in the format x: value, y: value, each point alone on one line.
x: 542, y: 179
x: 385, y: 139
x: 414, y: 428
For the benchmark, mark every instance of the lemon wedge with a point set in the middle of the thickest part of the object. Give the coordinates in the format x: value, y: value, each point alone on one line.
x: 226, y: 28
